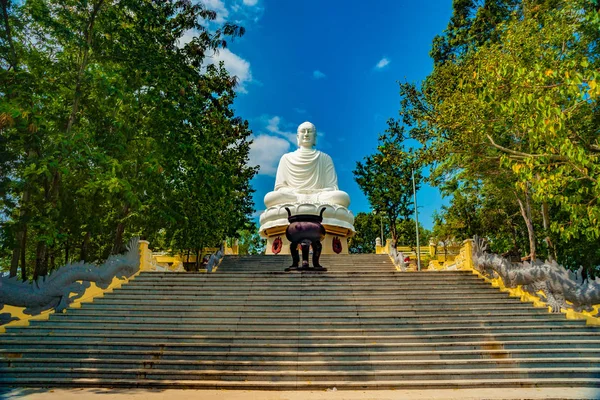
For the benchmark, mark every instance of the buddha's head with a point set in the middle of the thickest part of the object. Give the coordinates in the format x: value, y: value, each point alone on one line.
x: 307, y: 135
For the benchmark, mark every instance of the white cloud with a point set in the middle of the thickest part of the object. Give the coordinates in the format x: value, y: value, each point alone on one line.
x: 300, y: 110
x: 382, y: 63
x: 318, y: 74
x: 266, y: 151
x: 218, y: 7
x: 186, y: 38
x: 273, y: 126
x: 235, y: 65
x: 233, y: 11
x: 267, y: 148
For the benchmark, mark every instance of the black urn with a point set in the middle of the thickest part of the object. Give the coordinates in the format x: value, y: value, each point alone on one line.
x: 305, y: 230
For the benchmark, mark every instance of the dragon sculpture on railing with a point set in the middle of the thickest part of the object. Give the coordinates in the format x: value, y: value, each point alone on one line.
x: 558, y: 284
x: 397, y: 257
x: 54, y: 290
x: 215, y: 259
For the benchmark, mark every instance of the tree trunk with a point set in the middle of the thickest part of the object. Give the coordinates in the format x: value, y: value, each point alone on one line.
x: 526, y: 214
x: 118, y: 243
x: 13, y: 63
x: 14, y: 262
x: 21, y: 235
x: 85, y: 247
x: 40, y: 260
x: 52, y: 263
x: 546, y: 222
x: 42, y: 253
x: 67, y: 252
x: 393, y: 231
x: 198, y: 254
x: 24, y: 254
x: 5, y: 5
x: 86, y: 52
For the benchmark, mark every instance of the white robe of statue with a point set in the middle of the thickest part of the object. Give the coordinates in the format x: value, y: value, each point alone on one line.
x: 306, y: 175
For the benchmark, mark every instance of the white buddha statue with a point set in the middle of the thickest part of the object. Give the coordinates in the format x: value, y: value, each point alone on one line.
x: 306, y: 175
x: 306, y: 183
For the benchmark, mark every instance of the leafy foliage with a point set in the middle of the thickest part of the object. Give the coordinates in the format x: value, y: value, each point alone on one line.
x: 368, y: 228
x: 112, y: 127
x: 386, y: 179
x: 511, y: 111
x: 250, y: 241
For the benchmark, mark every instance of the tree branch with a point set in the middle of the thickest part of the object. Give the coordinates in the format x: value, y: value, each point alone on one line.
x: 524, y: 155
x: 86, y: 51
x: 5, y: 4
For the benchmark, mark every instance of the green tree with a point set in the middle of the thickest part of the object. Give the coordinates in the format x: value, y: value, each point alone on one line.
x: 112, y: 128
x: 512, y: 104
x: 407, y: 234
x: 250, y: 242
x: 368, y: 228
x: 386, y: 179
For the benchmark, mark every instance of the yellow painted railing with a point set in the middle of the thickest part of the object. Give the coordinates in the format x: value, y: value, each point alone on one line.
x: 164, y: 261
x: 93, y: 292
x: 464, y: 261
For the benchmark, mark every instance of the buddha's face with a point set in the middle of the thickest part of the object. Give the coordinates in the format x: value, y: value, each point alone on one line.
x: 307, y: 135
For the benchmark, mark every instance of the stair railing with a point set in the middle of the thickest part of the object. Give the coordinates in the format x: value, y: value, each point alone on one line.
x: 544, y: 283
x: 19, y: 301
x: 215, y: 260
x: 397, y: 257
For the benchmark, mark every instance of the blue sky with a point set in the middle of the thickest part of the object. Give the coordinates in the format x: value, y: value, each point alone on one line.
x: 334, y: 63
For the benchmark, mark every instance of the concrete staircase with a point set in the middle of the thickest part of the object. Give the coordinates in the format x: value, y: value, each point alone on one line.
x: 251, y: 326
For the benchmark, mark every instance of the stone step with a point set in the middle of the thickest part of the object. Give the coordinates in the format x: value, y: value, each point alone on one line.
x: 208, y: 290
x: 52, y: 328
x: 348, y: 280
x: 564, y: 362
x: 239, y: 345
x: 337, y: 285
x: 286, y: 259
x: 164, y: 353
x: 355, y: 272
x: 296, y: 307
x: 301, y: 301
x: 275, y: 315
x: 232, y: 305
x: 265, y: 266
x: 305, y: 303
x: 365, y: 324
x: 343, y: 290
x: 301, y: 385
x: 313, y: 376
x: 35, y: 336
x: 362, y: 324
x: 327, y: 289
x: 308, y: 320
x: 243, y: 307
x: 373, y: 273
x: 339, y: 294
x: 358, y: 264
x: 335, y: 298
x: 449, y: 383
x: 338, y: 281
